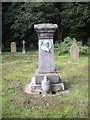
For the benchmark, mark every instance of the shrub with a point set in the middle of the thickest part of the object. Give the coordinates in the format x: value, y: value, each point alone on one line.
x: 64, y: 47
x: 83, y: 50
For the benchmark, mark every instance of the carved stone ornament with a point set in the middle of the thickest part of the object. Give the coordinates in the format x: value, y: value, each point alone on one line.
x: 46, y: 45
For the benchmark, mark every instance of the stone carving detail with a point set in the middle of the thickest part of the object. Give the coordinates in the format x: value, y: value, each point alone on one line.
x: 46, y: 45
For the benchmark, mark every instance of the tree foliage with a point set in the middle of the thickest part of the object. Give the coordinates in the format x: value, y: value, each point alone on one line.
x: 21, y: 17
x: 76, y: 19
x: 73, y: 20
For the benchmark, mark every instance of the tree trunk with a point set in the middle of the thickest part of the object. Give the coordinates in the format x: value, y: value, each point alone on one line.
x: 60, y: 31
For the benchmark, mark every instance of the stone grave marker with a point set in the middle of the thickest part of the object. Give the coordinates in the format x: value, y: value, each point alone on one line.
x: 23, y: 48
x: 46, y: 59
x: 74, y: 52
x: 13, y: 47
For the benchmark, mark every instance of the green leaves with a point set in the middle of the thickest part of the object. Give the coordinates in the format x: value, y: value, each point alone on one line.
x: 21, y: 17
x: 76, y: 17
x: 73, y: 20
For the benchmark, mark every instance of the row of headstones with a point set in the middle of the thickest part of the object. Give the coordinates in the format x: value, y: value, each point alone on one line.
x: 74, y: 50
x: 13, y: 47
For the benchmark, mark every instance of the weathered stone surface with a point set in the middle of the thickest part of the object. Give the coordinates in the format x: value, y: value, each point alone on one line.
x: 13, y: 47
x: 53, y: 77
x: 45, y: 28
x: 33, y: 87
x: 74, y: 52
x: 46, y: 59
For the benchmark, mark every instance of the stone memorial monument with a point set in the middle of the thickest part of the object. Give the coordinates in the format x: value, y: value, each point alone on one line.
x: 74, y: 52
x: 46, y: 68
x: 13, y: 47
x: 23, y: 48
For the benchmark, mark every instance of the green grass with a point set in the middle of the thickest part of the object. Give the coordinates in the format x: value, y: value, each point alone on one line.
x: 17, y: 70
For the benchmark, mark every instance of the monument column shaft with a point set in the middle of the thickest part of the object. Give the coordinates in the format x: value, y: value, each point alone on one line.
x: 46, y: 59
x: 46, y: 48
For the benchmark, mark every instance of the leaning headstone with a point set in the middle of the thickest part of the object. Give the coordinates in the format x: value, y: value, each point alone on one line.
x: 23, y: 48
x: 13, y: 47
x: 46, y: 68
x: 74, y: 52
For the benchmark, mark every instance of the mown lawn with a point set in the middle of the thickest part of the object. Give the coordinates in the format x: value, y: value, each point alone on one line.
x: 17, y: 70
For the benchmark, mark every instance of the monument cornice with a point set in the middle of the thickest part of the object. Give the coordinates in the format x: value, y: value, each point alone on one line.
x: 45, y: 28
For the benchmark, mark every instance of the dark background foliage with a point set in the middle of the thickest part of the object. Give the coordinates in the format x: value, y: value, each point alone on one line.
x: 73, y: 19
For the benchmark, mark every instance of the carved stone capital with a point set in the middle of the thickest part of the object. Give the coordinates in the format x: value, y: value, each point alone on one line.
x: 45, y: 30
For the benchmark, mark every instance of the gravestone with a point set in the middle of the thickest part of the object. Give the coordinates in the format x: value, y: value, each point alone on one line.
x: 74, y: 52
x: 13, y: 47
x: 46, y: 59
x: 23, y: 48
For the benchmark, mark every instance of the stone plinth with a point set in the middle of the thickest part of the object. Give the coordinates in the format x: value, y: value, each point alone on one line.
x: 46, y: 59
x: 53, y: 77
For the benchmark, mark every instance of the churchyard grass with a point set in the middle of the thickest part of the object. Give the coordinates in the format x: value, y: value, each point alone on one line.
x: 17, y: 70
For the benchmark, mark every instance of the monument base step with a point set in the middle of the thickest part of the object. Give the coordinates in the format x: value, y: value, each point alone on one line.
x: 38, y: 89
x: 53, y: 77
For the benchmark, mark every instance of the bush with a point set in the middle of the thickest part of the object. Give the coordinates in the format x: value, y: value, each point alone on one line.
x: 64, y: 47
x: 83, y: 50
